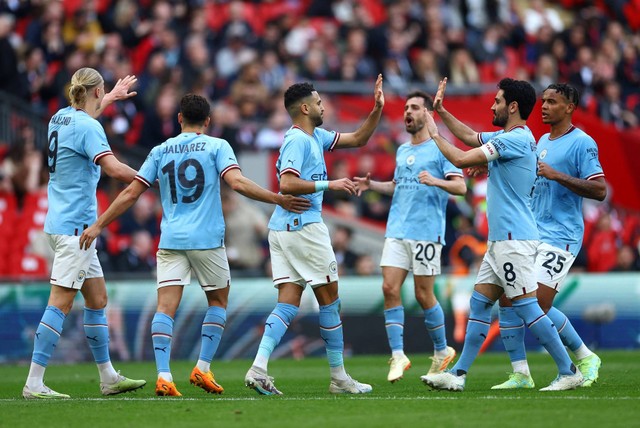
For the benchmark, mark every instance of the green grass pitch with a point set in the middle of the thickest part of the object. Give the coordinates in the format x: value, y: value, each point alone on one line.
x: 612, y: 402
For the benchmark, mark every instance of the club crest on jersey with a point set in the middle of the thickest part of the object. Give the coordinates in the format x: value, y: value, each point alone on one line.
x: 333, y: 267
x: 543, y: 154
x: 81, y: 275
x: 411, y: 160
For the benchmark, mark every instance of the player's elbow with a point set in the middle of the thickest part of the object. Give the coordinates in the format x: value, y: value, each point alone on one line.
x: 461, y: 189
x: 601, y: 193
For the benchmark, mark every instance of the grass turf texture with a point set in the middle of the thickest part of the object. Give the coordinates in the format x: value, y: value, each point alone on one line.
x: 612, y: 402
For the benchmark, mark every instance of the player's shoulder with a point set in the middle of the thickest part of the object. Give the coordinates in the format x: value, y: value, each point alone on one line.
x: 296, y: 136
x: 581, y: 138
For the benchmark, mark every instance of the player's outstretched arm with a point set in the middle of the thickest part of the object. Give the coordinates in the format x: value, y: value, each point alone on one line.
x: 119, y: 92
x: 366, y: 183
x: 123, y: 202
x: 248, y: 188
x: 454, y: 185
x: 465, y: 134
x: 116, y: 169
x: 592, y: 189
x: 457, y: 157
x: 361, y: 136
x: 291, y: 184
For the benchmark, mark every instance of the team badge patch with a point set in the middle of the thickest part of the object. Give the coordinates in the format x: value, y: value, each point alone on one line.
x: 543, y: 154
x: 81, y: 275
x: 411, y: 160
x: 333, y: 267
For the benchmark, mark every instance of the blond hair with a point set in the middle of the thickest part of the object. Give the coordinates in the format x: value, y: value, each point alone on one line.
x: 82, y: 82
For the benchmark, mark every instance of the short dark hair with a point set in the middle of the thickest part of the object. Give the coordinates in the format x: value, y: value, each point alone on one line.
x: 428, y: 101
x: 521, y: 92
x: 195, y: 109
x: 296, y: 92
x: 567, y: 91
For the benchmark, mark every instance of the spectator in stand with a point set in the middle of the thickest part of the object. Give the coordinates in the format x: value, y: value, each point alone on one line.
x: 627, y: 260
x: 341, y: 242
x: 23, y: 163
x: 249, y: 87
x: 139, y: 256
x: 83, y: 29
x: 142, y: 216
x: 245, y: 233
x: 365, y: 266
x: 546, y: 71
x: 426, y: 69
x: 538, y: 15
x: 602, y: 252
x: 160, y: 123
x: 612, y: 110
x: 9, y: 75
x: 463, y: 70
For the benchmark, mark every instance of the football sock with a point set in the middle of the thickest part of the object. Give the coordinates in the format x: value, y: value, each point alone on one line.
x: 568, y: 334
x: 96, y: 331
x: 477, y: 330
x: 161, y: 335
x: 546, y: 333
x: 512, y: 334
x: 583, y: 352
x: 274, y: 328
x: 331, y: 333
x: 45, y: 341
x: 394, y: 324
x: 212, y: 329
x: 434, y: 320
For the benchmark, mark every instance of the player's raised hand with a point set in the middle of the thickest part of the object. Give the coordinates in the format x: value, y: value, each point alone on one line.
x: 477, y: 171
x: 430, y: 123
x: 378, y: 93
x: 544, y: 170
x: 121, y: 90
x: 362, y: 183
x: 439, y: 98
x: 295, y: 204
x: 88, y: 236
x: 426, y: 178
x: 343, y: 184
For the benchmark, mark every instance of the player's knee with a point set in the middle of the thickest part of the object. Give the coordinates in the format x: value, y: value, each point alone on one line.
x: 390, y: 290
x: 96, y: 302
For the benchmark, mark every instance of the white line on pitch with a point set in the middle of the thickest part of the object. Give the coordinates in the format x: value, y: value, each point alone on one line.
x: 360, y: 398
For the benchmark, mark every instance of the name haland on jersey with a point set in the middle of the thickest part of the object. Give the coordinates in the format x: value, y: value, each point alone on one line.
x: 76, y: 143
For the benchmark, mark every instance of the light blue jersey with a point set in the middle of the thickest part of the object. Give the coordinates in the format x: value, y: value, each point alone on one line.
x: 557, y: 210
x: 511, y: 180
x: 76, y: 143
x: 303, y: 155
x: 189, y: 168
x: 417, y: 210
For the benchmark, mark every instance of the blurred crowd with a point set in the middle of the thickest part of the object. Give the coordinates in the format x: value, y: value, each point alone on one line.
x: 241, y: 55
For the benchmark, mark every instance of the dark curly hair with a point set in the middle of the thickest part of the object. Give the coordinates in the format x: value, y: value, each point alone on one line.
x: 195, y: 109
x: 296, y: 92
x: 567, y: 91
x: 521, y: 92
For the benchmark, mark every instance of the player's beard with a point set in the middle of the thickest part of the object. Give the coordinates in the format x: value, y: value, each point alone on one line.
x: 500, y: 119
x: 414, y: 127
x: 317, y: 120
